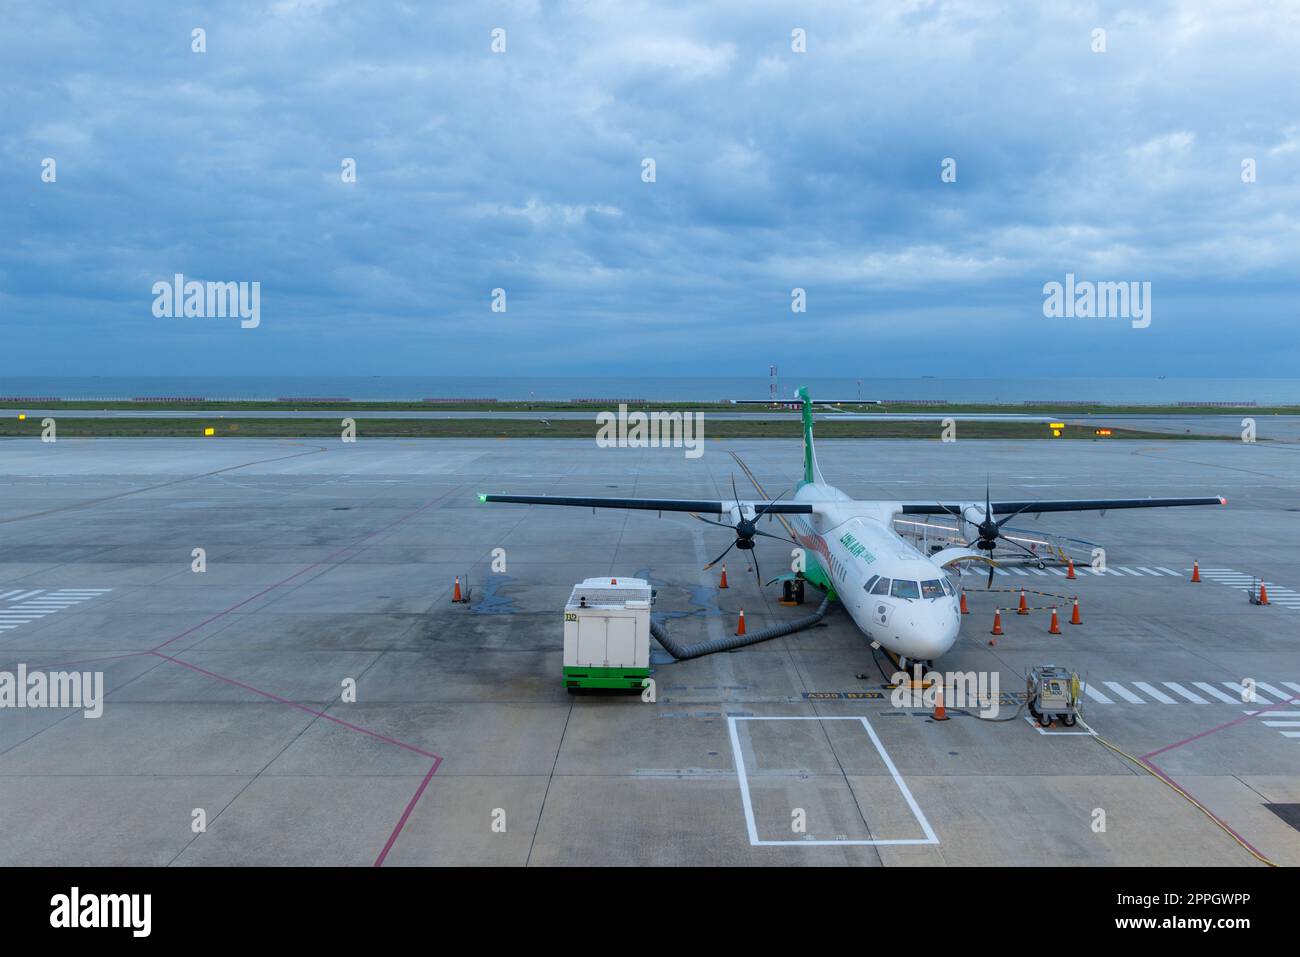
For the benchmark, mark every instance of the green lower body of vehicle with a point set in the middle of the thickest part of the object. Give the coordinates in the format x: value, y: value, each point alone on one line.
x: 625, y: 679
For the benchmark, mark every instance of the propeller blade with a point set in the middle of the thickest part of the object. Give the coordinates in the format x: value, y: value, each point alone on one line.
x: 1003, y: 521
x: 709, y: 521
x: 989, y: 584
x: 762, y: 511
x: 779, y: 538
x: 720, y: 557
x: 736, y: 495
x: 757, y: 574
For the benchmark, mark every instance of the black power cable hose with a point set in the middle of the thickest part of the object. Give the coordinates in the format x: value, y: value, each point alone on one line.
x: 686, y: 652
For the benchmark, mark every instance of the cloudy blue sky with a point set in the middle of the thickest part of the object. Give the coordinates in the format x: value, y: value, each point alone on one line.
x: 522, y: 170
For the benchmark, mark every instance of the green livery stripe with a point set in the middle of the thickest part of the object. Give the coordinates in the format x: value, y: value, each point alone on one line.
x: 807, y: 434
x: 817, y: 575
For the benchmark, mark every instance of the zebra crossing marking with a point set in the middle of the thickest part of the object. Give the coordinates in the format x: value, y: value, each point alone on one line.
x: 1179, y: 689
x: 1153, y: 692
x: 1277, y: 594
x: 1095, y: 695
x: 25, y: 606
x: 1215, y: 692
x: 1264, y: 692
x: 1123, y: 692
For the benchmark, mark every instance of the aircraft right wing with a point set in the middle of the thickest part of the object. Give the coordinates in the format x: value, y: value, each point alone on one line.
x: 1058, y: 505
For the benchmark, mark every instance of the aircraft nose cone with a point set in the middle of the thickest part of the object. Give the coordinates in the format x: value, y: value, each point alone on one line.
x: 935, y: 631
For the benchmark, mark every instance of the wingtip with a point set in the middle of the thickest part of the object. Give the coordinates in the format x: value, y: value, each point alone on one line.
x: 482, y: 496
x: 1223, y: 500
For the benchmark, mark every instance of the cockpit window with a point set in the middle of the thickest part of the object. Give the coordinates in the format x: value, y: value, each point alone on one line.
x: 870, y: 581
x: 904, y: 589
x: 881, y: 587
x: 932, y: 589
x: 947, y: 587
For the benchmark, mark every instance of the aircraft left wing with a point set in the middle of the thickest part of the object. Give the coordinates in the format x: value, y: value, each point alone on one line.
x: 714, y: 506
x: 1059, y: 505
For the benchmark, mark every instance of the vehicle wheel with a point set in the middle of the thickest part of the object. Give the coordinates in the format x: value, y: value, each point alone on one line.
x: 1045, y: 721
x: 1069, y: 721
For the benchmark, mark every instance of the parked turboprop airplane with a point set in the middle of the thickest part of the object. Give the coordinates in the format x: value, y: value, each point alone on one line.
x: 897, y: 596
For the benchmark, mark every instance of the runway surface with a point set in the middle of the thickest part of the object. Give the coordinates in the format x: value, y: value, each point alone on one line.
x: 1279, y: 428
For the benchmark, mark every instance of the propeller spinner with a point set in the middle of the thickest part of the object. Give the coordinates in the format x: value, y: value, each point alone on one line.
x: 746, y: 529
x: 989, y: 529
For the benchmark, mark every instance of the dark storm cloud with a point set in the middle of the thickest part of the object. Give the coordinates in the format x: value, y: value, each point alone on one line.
x: 774, y: 170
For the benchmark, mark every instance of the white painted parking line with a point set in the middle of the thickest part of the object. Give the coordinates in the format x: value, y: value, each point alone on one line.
x: 1292, y: 685
x: 1216, y: 693
x: 1038, y: 571
x: 1153, y: 692
x: 1020, y: 571
x: 28, y: 594
x: 930, y: 836
x: 1123, y: 692
x: 1282, y: 724
x: 1291, y: 734
x: 1096, y: 695
x: 1179, y: 689
x: 1148, y: 571
x: 1169, y: 571
x: 1059, y: 571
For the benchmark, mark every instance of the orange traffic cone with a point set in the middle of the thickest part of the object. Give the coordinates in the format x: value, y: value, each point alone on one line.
x: 455, y: 595
x: 964, y: 609
x: 1024, y: 605
x: 939, y: 713
x: 740, y: 625
x: 1196, y: 571
x: 723, y: 582
x: 1070, y: 573
x: 1263, y: 594
x: 1074, y: 617
x: 997, y: 622
x: 1055, y: 628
